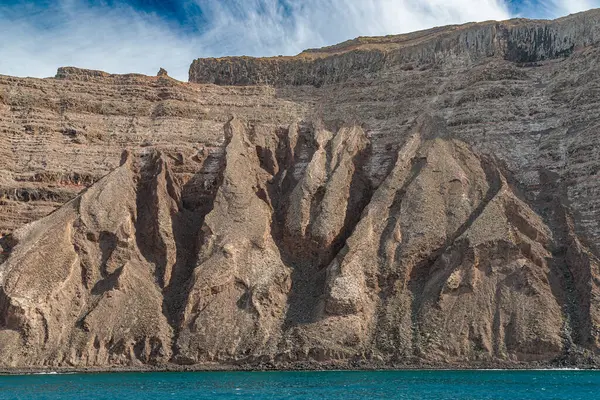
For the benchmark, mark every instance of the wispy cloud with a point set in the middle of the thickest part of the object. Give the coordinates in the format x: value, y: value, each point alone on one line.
x: 122, y: 37
x: 259, y: 27
x: 117, y: 39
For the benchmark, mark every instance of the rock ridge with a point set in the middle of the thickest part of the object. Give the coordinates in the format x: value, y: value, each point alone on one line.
x: 442, y: 214
x: 520, y: 41
x: 442, y: 262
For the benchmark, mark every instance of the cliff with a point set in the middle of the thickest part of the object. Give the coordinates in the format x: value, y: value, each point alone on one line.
x: 429, y: 199
x: 520, y: 41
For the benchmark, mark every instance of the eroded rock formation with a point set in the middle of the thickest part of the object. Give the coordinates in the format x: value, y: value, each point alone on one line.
x: 422, y: 199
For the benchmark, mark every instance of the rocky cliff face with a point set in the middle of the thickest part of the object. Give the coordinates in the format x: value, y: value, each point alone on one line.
x: 422, y: 199
x: 515, y: 40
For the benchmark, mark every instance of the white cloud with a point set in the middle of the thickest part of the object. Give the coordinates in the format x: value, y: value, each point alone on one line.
x: 120, y: 39
x: 310, y: 23
x: 116, y: 39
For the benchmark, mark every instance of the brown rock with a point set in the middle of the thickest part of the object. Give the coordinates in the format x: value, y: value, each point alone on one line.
x: 423, y: 199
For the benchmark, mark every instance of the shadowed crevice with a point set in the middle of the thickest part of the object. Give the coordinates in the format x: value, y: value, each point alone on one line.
x: 7, y: 243
x: 309, y: 259
x: 198, y: 198
x: 421, y: 272
x: 148, y: 237
x: 570, y: 273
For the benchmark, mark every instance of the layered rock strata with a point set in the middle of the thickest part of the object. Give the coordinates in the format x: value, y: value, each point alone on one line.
x: 422, y: 199
x: 296, y: 256
x: 520, y: 41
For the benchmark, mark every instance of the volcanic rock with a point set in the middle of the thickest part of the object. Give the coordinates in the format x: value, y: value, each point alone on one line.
x: 428, y: 199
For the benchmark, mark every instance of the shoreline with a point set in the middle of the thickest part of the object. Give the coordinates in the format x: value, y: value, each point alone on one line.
x: 296, y: 367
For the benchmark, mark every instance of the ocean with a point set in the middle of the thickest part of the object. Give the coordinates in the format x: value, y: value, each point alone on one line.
x: 422, y: 385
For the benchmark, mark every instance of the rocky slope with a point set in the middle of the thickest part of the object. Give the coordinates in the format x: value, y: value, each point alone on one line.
x: 421, y: 199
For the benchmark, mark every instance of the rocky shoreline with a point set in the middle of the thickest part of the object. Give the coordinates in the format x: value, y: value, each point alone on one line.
x: 307, y: 366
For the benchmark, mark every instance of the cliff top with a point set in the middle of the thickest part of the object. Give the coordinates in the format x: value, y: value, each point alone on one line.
x: 83, y: 74
x: 585, y: 21
x: 516, y: 40
x: 392, y: 42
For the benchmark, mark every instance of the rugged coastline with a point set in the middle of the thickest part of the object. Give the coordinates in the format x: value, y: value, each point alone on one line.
x: 428, y: 200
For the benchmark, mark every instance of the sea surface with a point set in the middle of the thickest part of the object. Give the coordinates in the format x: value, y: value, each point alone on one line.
x: 422, y: 385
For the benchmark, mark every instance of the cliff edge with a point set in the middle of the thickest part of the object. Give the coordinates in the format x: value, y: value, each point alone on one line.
x: 520, y: 41
x: 421, y: 200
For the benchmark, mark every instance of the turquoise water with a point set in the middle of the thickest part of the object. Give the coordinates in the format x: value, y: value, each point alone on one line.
x: 422, y: 385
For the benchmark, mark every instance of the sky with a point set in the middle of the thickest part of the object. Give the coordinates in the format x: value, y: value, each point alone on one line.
x: 122, y: 36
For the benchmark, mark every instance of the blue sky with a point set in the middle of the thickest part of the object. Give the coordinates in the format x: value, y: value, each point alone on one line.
x: 121, y: 36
